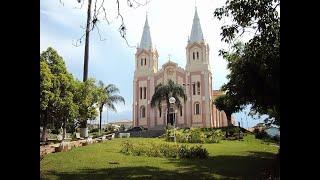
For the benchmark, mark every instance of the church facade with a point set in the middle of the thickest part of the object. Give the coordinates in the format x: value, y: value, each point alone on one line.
x: 196, y: 79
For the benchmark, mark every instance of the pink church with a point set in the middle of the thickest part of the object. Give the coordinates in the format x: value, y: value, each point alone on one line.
x: 196, y: 78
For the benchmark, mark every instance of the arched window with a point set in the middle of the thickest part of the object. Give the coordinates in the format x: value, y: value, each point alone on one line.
x: 145, y: 61
x: 180, y: 110
x: 196, y: 108
x: 142, y: 112
x: 193, y: 56
x: 197, y: 55
x: 160, y: 111
x: 141, y: 62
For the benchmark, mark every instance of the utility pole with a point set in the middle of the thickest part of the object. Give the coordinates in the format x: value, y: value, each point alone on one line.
x: 86, y: 47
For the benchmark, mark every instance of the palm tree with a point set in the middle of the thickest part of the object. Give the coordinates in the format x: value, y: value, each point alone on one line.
x: 107, y: 97
x: 164, y: 92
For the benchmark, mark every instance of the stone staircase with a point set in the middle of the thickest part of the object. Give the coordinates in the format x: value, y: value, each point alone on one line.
x: 151, y: 133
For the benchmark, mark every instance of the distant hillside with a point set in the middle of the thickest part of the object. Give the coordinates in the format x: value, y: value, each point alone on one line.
x: 126, y: 122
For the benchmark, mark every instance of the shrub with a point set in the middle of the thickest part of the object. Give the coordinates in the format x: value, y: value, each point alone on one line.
x: 261, y: 134
x: 55, y: 131
x: 70, y: 127
x: 184, y: 152
x: 94, y: 130
x: 167, y: 150
x: 153, y: 151
x: 233, y: 130
x: 195, y: 135
x: 214, y: 136
x: 109, y: 128
x: 122, y: 128
x: 164, y: 150
x: 276, y: 138
x: 126, y: 147
x: 198, y: 152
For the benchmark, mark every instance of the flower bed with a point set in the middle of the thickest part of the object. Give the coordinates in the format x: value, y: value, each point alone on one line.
x: 194, y: 135
x: 164, y: 150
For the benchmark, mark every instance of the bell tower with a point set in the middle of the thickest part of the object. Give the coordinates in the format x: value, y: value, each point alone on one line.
x: 199, y: 75
x: 146, y: 65
x: 197, y: 50
x: 146, y: 57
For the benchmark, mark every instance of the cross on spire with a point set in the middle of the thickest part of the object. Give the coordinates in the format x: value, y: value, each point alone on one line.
x: 169, y: 55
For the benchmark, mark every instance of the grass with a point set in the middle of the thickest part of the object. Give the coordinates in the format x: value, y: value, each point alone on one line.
x: 228, y: 160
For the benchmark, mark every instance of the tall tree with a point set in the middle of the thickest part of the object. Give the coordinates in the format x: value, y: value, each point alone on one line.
x: 86, y: 98
x: 107, y: 97
x: 164, y: 92
x: 254, y: 66
x: 228, y: 105
x: 68, y: 109
x: 46, y: 96
x: 56, y: 65
x: 56, y: 88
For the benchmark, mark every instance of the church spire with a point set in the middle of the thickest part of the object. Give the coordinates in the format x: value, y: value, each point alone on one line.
x: 196, y: 32
x: 146, y: 42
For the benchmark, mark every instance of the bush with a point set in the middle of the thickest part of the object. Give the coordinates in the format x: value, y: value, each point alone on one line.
x: 122, y: 128
x: 261, y: 134
x: 94, y: 130
x: 195, y: 135
x: 95, y: 134
x: 55, y: 131
x: 164, y: 150
x: 233, y: 130
x: 109, y: 128
x: 198, y: 152
x: 214, y: 136
x: 276, y: 138
x: 70, y: 127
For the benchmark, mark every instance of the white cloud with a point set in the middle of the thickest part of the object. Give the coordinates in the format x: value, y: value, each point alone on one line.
x: 65, y: 15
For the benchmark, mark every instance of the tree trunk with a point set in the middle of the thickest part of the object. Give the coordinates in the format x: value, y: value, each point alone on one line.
x: 100, y: 121
x: 229, y: 120
x: 239, y: 130
x: 44, y: 130
x: 229, y: 124
x: 86, y: 48
x: 64, y: 134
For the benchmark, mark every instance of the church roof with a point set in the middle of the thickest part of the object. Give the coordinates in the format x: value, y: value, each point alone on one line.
x: 216, y: 93
x: 196, y: 31
x: 146, y: 42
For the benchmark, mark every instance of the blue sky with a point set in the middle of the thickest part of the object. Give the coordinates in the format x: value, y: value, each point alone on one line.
x: 112, y: 61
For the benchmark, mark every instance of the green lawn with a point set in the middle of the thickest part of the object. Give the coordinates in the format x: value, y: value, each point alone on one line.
x: 228, y: 160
